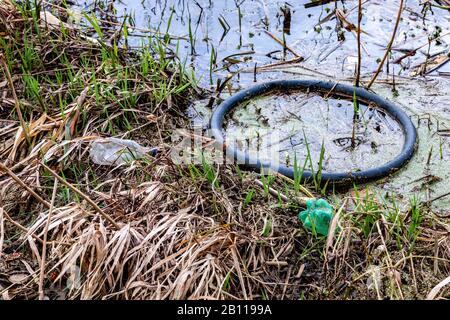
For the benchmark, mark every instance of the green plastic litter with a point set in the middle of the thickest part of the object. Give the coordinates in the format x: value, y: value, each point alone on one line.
x: 317, y: 216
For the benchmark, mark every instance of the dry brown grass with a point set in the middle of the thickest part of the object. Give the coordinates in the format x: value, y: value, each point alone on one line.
x: 152, y: 230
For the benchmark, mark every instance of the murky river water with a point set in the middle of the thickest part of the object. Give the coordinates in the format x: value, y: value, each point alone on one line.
x: 240, y: 40
x: 322, y: 124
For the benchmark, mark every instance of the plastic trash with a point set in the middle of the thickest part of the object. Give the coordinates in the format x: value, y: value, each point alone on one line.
x: 114, y: 151
x: 317, y: 216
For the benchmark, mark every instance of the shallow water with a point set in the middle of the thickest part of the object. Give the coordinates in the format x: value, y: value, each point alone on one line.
x: 312, y: 124
x: 229, y: 38
x: 235, y: 34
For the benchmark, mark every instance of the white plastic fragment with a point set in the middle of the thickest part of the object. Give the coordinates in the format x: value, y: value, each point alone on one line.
x: 114, y: 151
x: 374, y: 281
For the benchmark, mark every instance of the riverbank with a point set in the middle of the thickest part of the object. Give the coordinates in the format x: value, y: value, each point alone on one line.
x: 72, y: 229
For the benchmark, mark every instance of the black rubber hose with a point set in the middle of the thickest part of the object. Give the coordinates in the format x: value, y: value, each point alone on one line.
x: 333, y: 89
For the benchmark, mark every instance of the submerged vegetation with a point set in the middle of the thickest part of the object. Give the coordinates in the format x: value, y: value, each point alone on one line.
x: 153, y: 229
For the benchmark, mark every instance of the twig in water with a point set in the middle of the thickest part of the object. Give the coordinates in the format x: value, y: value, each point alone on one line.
x: 358, y: 71
x: 283, y: 44
x: 316, y: 3
x: 440, y: 197
x: 388, y: 49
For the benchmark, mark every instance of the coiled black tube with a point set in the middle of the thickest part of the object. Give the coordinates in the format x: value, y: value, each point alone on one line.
x: 334, y: 89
